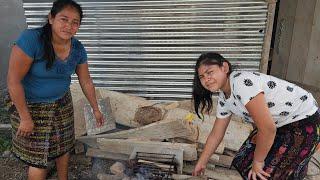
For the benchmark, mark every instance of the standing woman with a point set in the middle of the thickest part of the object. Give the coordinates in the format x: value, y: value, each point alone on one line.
x: 286, y: 117
x: 40, y: 68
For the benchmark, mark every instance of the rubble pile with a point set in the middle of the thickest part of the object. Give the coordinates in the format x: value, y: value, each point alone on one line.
x: 157, y: 129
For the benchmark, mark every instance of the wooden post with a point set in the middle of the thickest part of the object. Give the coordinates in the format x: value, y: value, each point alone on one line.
x: 267, y: 36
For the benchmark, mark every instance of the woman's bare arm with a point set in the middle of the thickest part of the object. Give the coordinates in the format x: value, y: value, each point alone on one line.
x: 19, y: 65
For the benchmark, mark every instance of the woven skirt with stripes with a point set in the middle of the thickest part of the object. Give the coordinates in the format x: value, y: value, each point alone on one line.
x: 290, y: 153
x: 53, y: 133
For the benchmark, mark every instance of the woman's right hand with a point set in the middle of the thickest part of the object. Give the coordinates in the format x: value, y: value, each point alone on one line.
x: 199, y: 169
x: 25, y: 127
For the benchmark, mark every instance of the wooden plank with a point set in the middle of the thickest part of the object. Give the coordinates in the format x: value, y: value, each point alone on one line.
x: 159, y: 130
x: 185, y: 177
x: 105, y: 108
x: 217, y: 173
x: 314, y: 164
x: 220, y: 173
x: 92, y: 152
x: 126, y: 146
x: 267, y: 37
x: 79, y: 100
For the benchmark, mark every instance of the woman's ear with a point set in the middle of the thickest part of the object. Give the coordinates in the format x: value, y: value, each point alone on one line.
x: 50, y: 18
x: 226, y: 67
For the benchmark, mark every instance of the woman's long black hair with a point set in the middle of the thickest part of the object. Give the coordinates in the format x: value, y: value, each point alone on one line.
x: 202, y: 97
x: 46, y: 36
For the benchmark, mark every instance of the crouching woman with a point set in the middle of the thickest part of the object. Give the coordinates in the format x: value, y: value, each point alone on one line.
x: 286, y: 117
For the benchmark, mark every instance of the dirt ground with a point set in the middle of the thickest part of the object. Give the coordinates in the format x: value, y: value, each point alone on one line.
x: 80, y: 168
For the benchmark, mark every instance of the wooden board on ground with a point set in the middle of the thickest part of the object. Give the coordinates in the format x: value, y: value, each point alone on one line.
x: 314, y: 164
x: 187, y: 177
x: 105, y: 108
x: 126, y: 146
x: 218, y: 173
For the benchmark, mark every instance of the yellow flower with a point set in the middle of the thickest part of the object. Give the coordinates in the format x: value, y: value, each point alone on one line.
x: 189, y: 117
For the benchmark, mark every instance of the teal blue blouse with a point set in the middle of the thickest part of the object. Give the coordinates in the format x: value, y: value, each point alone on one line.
x: 40, y: 84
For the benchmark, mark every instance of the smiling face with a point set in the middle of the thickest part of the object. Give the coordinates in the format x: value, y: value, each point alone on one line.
x: 65, y: 24
x: 213, y: 77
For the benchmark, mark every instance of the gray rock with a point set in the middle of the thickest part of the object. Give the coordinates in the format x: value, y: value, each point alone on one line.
x: 6, y: 154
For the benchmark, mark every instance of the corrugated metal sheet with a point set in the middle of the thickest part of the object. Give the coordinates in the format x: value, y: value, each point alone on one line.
x: 149, y: 48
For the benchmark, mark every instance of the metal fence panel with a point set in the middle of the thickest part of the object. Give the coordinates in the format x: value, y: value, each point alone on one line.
x: 149, y: 48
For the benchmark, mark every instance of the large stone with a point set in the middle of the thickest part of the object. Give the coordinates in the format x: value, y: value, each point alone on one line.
x: 118, y: 169
x: 126, y: 146
x: 147, y: 115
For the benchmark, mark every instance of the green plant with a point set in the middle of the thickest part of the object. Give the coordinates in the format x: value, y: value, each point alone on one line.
x: 5, y: 144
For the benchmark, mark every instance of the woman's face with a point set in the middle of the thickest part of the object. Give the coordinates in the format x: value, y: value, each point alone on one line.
x: 213, y: 77
x: 65, y: 24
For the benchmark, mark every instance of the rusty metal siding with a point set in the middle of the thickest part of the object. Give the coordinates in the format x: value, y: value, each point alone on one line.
x: 149, y: 48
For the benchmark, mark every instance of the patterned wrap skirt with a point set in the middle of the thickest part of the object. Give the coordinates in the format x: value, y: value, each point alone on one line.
x: 290, y: 153
x: 53, y: 133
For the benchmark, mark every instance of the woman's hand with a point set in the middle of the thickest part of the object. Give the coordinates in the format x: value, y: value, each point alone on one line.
x: 25, y: 127
x: 257, y: 171
x: 199, y: 169
x: 99, y: 117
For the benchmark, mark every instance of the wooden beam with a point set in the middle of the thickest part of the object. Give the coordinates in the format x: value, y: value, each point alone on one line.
x: 159, y: 130
x: 185, y: 177
x: 126, y: 146
x: 267, y: 36
x: 217, y: 173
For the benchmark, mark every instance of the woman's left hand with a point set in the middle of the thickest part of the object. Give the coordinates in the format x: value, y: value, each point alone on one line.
x: 257, y: 171
x: 99, y: 118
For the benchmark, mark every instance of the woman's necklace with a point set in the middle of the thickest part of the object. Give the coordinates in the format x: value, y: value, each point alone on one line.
x: 62, y: 50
